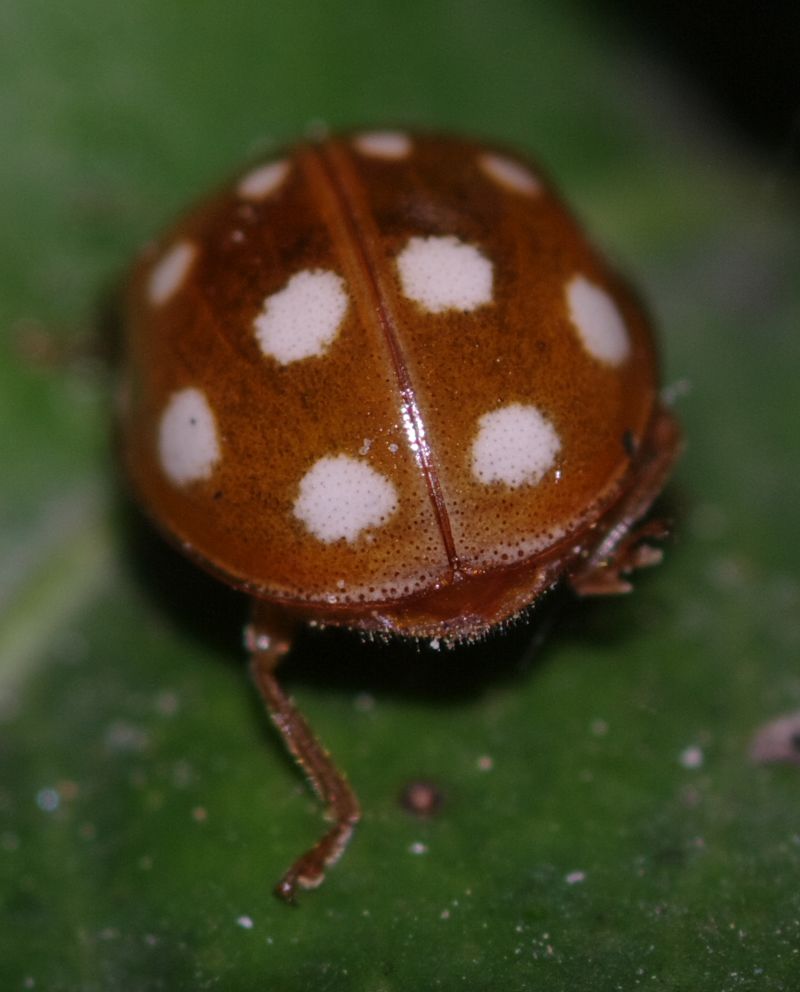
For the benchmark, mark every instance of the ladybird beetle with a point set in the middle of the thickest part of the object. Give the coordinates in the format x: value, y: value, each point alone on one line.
x: 384, y: 381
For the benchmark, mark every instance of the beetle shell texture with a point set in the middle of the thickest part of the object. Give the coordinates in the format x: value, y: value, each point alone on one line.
x: 384, y: 380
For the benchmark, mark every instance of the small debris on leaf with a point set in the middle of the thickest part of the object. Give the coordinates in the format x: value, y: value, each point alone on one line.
x: 422, y: 797
x: 778, y: 740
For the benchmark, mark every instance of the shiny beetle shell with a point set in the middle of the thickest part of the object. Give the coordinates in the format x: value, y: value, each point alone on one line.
x: 385, y: 381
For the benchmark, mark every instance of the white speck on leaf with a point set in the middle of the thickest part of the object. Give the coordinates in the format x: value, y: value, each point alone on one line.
x: 48, y: 800
x: 692, y: 757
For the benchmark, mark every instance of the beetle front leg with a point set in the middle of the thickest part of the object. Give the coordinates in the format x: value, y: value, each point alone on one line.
x: 607, y: 575
x: 269, y: 638
x: 625, y: 543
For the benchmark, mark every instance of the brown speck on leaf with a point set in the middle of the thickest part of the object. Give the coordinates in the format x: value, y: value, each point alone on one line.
x: 422, y: 797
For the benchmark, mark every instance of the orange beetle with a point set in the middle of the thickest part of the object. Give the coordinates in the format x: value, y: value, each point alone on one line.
x: 384, y: 381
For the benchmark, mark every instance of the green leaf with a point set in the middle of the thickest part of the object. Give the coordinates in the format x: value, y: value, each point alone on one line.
x: 602, y: 826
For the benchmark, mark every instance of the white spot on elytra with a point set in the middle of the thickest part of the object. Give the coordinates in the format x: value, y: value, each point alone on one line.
x: 262, y: 181
x: 187, y: 438
x: 384, y: 144
x: 443, y: 273
x: 597, y: 320
x: 169, y: 273
x: 515, y: 445
x: 303, y: 318
x: 341, y: 496
x: 509, y: 174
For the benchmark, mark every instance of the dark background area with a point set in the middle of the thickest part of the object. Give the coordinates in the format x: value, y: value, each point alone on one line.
x: 743, y: 58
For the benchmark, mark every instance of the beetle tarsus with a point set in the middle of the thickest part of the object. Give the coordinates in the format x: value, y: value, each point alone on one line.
x: 309, y: 870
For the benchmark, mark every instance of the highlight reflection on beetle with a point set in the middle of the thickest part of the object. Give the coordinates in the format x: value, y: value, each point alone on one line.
x: 383, y: 381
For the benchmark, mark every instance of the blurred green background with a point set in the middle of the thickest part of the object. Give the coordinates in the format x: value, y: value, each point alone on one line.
x: 602, y: 825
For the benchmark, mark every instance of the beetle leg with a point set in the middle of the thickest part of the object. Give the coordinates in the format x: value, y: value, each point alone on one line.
x: 625, y: 546
x: 607, y: 577
x: 268, y: 640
